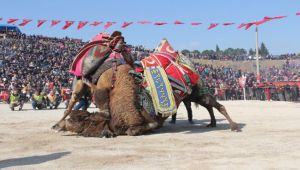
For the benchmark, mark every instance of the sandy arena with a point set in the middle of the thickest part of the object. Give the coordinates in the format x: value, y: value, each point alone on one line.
x: 270, y: 139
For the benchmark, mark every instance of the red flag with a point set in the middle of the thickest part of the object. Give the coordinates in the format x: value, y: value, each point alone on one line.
x: 196, y: 23
x: 68, y: 24
x: 242, y: 25
x: 12, y: 20
x: 25, y: 21
x: 108, y: 24
x: 41, y: 22
x: 144, y: 22
x: 54, y: 22
x: 212, y: 25
x: 160, y: 23
x: 95, y: 23
x: 81, y: 24
x: 178, y: 22
x: 277, y: 17
x: 228, y: 23
x: 126, y: 24
x: 261, y: 21
x: 298, y: 13
x: 248, y: 25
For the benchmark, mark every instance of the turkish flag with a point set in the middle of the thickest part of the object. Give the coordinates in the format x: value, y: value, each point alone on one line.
x: 25, y: 21
x: 68, y: 24
x: 54, y: 22
x: 228, y: 23
x: 144, y: 22
x: 212, y: 25
x: 81, y: 24
x: 298, y: 13
x: 178, y: 22
x: 160, y: 23
x: 40, y: 22
x: 12, y: 20
x: 196, y: 23
x: 95, y: 23
x: 108, y: 24
x: 126, y: 24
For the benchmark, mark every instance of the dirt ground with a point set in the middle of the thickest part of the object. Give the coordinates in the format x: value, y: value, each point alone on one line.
x: 270, y: 139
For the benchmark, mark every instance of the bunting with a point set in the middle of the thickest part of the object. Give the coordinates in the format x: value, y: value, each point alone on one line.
x: 12, y: 20
x: 212, y: 25
x: 81, y: 24
x: 41, y: 22
x: 160, y: 23
x: 68, y: 24
x: 109, y: 24
x: 54, y: 22
x: 125, y: 24
x: 95, y: 23
x: 25, y: 22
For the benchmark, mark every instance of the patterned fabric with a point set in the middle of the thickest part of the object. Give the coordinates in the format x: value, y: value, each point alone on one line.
x: 160, y: 90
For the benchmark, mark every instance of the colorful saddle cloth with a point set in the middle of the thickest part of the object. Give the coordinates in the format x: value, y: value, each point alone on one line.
x: 178, y: 74
x: 160, y: 90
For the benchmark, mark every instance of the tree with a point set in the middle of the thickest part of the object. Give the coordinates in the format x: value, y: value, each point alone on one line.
x: 196, y: 52
x: 263, y: 51
x: 185, y: 52
x: 217, y: 49
x: 251, y: 52
x: 208, y: 52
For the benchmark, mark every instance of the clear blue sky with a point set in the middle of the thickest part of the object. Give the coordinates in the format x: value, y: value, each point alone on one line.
x: 280, y: 36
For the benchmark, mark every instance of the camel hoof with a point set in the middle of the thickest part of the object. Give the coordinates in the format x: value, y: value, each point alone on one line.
x: 234, y: 127
x: 211, y: 125
x: 106, y: 134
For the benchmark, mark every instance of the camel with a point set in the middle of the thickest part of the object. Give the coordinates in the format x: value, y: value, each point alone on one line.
x: 124, y: 118
x: 118, y: 112
x: 207, y: 101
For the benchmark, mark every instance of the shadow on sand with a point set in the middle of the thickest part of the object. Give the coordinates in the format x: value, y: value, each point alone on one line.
x: 199, y: 126
x: 31, y: 160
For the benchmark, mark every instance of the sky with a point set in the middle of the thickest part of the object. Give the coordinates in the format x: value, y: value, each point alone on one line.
x: 281, y: 36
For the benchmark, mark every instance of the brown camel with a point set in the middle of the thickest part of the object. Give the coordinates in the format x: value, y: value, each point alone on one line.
x: 127, y: 121
x: 124, y: 118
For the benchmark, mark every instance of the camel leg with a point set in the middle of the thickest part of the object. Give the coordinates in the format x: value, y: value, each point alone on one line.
x: 222, y: 110
x: 79, y: 90
x: 139, y: 130
x: 212, y: 116
x: 188, y: 106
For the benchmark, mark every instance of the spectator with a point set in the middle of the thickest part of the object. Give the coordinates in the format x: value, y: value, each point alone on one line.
x: 15, y: 100
x: 38, y: 100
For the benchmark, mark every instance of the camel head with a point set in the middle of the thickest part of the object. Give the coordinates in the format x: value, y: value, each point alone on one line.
x: 83, y: 123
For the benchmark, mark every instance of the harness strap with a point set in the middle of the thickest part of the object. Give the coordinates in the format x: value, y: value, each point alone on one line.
x: 115, y: 69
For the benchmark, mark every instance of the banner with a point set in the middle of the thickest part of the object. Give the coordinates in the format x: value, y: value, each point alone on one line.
x: 125, y: 24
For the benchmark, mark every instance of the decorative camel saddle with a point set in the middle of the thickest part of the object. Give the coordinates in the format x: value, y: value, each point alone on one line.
x: 169, y: 77
x: 105, y: 51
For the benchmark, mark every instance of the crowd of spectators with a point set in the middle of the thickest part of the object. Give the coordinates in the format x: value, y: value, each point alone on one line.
x: 38, y: 63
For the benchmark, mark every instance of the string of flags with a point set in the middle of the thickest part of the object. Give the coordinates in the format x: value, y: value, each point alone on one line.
x: 108, y: 24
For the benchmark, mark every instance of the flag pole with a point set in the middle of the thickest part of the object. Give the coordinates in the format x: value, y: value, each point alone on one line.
x: 257, y: 56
